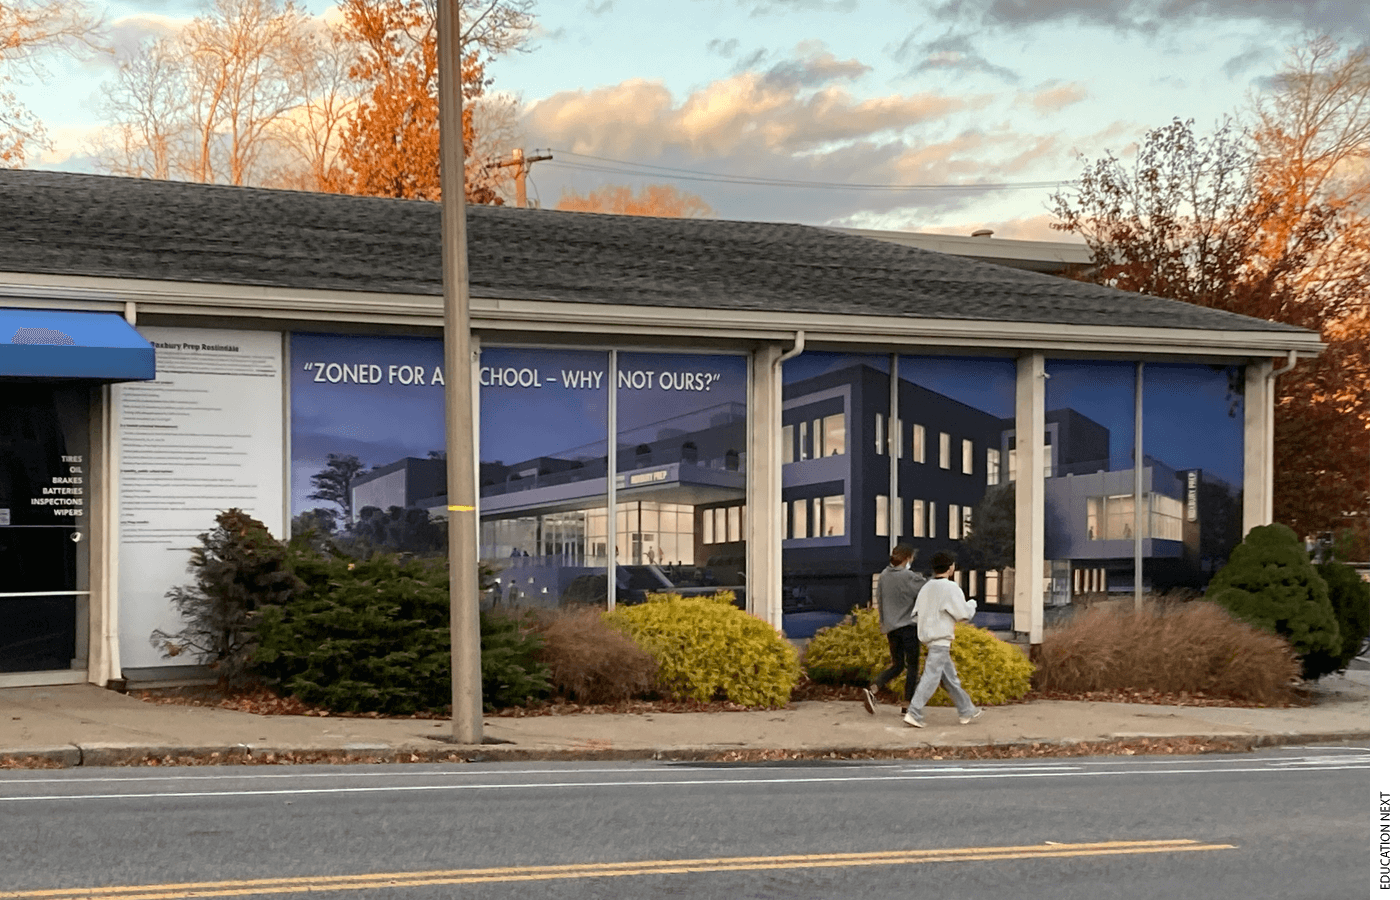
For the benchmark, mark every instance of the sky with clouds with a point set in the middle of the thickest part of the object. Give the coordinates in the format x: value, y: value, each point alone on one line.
x: 931, y: 115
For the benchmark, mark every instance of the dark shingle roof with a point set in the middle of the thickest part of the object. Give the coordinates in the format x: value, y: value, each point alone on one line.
x: 70, y: 224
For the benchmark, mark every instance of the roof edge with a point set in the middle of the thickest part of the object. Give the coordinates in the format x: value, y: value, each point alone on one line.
x: 525, y: 314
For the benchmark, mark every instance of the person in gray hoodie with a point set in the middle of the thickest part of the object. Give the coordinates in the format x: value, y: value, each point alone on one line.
x: 940, y: 606
x: 897, y: 589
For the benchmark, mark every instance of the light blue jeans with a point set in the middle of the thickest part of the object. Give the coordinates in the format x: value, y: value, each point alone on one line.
x: 939, y: 668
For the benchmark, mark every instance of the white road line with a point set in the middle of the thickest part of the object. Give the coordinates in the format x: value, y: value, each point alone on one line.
x: 934, y: 775
x: 416, y: 772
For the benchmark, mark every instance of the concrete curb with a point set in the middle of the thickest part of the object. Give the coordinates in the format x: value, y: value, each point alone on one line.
x: 73, y: 756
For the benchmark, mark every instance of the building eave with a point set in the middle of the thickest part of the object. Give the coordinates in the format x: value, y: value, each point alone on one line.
x: 285, y: 307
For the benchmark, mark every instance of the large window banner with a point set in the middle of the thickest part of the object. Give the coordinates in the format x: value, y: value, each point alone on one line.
x: 840, y: 512
x: 369, y: 463
x: 204, y: 436
x: 682, y: 464
x: 1193, y: 440
x: 543, y: 470
x: 368, y: 441
x: 1191, y: 509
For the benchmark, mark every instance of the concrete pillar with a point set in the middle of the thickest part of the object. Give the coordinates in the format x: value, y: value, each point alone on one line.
x: 1029, y: 603
x: 103, y: 651
x: 1258, y: 452
x: 765, y: 487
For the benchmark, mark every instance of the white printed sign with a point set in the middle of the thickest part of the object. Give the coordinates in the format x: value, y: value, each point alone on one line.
x: 205, y: 436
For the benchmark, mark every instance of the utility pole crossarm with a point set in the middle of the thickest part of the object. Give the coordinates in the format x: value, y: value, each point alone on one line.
x: 521, y: 163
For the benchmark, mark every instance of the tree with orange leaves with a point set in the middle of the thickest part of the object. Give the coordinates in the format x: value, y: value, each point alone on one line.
x: 656, y: 200
x: 1272, y: 221
x: 390, y: 145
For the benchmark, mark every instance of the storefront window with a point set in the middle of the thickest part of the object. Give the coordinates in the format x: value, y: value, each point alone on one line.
x: 1087, y: 458
x: 543, y: 464
x: 969, y: 404
x: 682, y: 444
x: 1193, y: 442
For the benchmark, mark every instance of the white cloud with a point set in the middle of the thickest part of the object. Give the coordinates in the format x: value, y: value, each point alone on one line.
x: 1055, y: 97
x: 748, y: 111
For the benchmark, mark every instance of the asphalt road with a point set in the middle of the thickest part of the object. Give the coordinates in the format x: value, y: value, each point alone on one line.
x: 1279, y: 823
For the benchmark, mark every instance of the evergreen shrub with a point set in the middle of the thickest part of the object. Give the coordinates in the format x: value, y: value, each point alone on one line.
x: 1270, y: 583
x: 707, y: 649
x: 854, y: 651
x: 238, y: 568
x: 591, y: 660
x: 1351, y: 604
x: 372, y: 635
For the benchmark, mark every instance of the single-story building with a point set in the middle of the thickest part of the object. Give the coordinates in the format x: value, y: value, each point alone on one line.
x: 754, y: 405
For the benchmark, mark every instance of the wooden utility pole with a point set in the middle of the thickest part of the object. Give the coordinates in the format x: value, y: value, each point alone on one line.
x: 521, y: 163
x: 465, y: 622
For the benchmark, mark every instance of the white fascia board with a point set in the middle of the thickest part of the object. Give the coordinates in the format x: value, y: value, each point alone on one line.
x: 555, y: 316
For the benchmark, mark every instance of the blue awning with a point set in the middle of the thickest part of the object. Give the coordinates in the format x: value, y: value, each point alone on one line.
x: 49, y: 343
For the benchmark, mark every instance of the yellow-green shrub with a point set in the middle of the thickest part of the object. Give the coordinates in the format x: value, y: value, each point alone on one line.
x: 855, y: 651
x: 706, y: 648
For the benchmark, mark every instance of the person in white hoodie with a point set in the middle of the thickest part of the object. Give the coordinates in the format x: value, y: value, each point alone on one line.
x: 941, y: 604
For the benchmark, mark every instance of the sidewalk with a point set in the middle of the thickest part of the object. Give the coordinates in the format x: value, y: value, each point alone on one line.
x: 75, y: 725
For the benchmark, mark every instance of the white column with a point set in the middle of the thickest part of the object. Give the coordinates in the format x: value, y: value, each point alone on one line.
x: 1258, y: 475
x: 1029, y: 600
x: 765, y: 488
x: 104, y: 656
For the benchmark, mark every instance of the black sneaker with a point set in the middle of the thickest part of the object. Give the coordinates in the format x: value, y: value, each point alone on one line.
x: 868, y: 697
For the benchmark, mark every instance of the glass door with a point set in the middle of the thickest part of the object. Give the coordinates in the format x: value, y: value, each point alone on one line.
x: 44, y: 510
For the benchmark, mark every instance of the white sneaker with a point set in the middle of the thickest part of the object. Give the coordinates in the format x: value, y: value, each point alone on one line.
x: 911, y: 719
x: 964, y: 720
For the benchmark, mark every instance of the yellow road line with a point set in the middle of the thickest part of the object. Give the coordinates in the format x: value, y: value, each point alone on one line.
x: 378, y: 880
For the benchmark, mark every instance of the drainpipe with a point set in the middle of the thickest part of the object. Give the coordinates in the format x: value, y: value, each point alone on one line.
x: 894, y: 436
x: 1269, y: 432
x: 775, y: 463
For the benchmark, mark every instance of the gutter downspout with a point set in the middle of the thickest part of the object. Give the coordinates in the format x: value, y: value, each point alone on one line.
x: 1269, y: 432
x: 775, y: 467
x: 894, y: 447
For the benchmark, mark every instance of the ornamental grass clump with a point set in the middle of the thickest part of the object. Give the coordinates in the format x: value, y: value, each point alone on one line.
x: 707, y: 649
x: 854, y: 651
x: 591, y: 660
x: 1172, y: 648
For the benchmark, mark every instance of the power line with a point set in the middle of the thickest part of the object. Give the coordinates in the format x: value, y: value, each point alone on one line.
x: 626, y: 167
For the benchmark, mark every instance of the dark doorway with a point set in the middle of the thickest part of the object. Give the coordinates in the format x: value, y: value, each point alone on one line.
x: 43, y: 523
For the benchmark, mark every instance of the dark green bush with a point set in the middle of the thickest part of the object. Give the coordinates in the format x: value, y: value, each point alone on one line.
x: 1351, y: 603
x: 512, y: 672
x: 372, y: 635
x: 1271, y: 584
x: 238, y: 568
